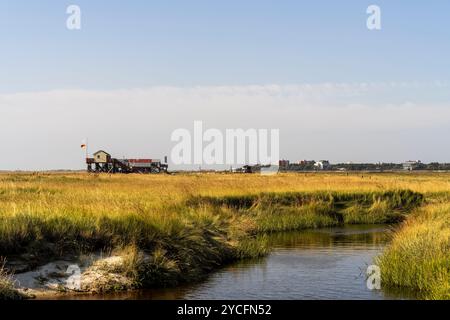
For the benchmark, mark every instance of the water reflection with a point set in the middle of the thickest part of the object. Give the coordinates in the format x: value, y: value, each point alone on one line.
x: 318, y: 264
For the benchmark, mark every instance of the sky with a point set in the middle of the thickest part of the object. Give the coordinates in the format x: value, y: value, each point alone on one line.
x: 138, y: 70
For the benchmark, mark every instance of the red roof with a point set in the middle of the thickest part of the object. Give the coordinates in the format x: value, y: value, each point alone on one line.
x: 140, y: 160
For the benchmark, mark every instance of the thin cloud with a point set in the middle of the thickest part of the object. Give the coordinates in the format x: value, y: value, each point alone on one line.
x: 43, y: 129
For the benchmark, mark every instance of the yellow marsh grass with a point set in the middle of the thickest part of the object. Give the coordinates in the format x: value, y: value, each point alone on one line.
x: 419, y: 256
x: 156, y: 191
x: 201, y: 233
x: 160, y: 197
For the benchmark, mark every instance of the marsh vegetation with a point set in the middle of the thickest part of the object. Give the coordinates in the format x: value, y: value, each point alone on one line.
x: 174, y: 229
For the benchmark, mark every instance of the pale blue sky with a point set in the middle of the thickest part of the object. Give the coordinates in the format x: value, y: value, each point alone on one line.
x: 182, y: 43
x: 312, y: 69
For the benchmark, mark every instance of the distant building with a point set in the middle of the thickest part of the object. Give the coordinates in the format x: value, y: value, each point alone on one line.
x: 283, y: 163
x: 322, y: 165
x: 103, y: 162
x: 102, y: 157
x: 412, y: 165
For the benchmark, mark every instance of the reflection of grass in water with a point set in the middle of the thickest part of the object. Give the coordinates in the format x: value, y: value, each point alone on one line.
x: 401, y: 293
x: 328, y: 238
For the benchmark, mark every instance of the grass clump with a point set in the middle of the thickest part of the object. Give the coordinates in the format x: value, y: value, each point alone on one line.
x: 275, y: 212
x: 309, y: 216
x: 7, y: 289
x: 419, y: 256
